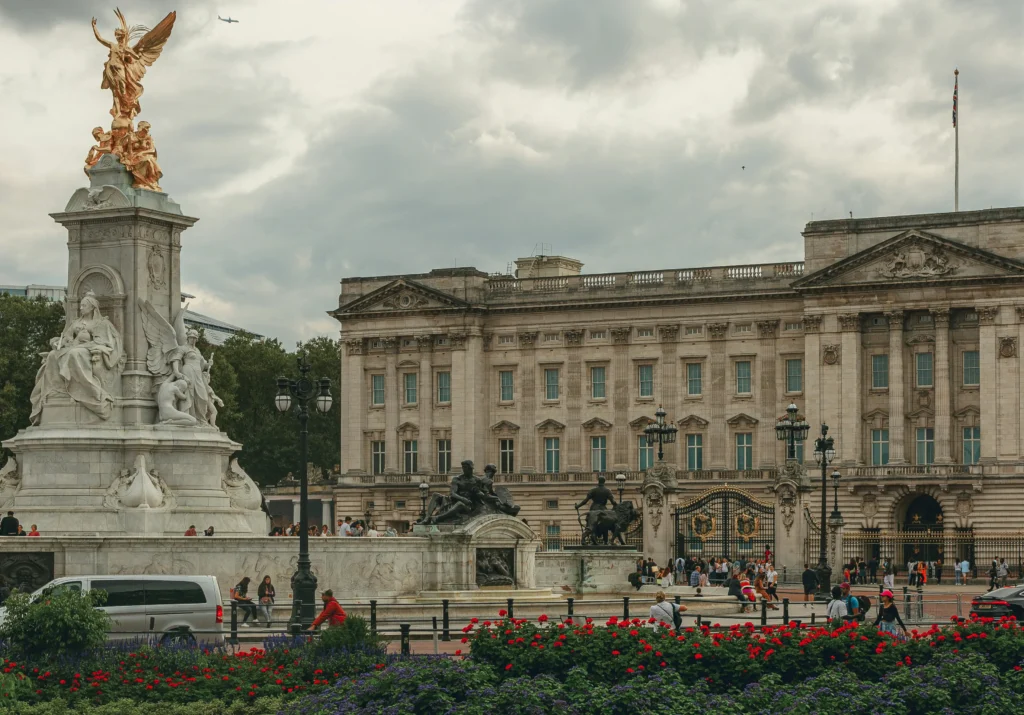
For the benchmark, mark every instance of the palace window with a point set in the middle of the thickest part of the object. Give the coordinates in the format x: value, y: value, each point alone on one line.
x: 925, y: 445
x: 743, y: 377
x: 506, y: 385
x: 693, y: 330
x: 744, y: 450
x: 551, y: 337
x: 693, y: 378
x: 597, y: 383
x: 410, y: 451
x: 599, y: 454
x: 793, y: 326
x: 444, y: 387
x: 972, y: 368
x: 645, y: 332
x: 551, y: 504
x: 879, y: 447
x: 645, y: 376
x: 645, y: 453
x: 399, y: 503
x: 377, y: 456
x: 598, y: 334
x: 507, y: 456
x: 694, y: 452
x: 554, y: 537
x: 794, y: 375
x: 444, y: 456
x: 410, y: 388
x: 376, y: 389
x: 924, y: 369
x: 744, y: 328
x: 551, y: 383
x: 552, y: 455
x: 972, y: 445
x: 879, y: 372
x: 506, y: 340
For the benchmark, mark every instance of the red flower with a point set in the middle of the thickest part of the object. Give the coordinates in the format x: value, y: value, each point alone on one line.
x: 615, y: 652
x: 458, y: 652
x: 503, y: 613
x: 542, y: 618
x: 698, y: 656
x: 508, y: 667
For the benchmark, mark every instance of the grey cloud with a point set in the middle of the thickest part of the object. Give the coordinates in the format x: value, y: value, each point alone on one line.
x: 44, y: 15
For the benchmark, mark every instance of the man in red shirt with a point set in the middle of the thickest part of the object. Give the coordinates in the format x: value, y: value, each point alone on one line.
x: 332, y: 610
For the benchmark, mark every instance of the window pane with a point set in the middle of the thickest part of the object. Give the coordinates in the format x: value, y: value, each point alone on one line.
x: 972, y: 371
x: 444, y: 387
x: 551, y: 384
x: 743, y: 377
x: 597, y: 383
x: 794, y: 375
x: 924, y: 369
x: 598, y: 453
x: 122, y: 593
x: 880, y: 371
x: 377, y: 456
x: 693, y: 379
x: 410, y: 388
x: 744, y: 450
x: 645, y: 452
x: 506, y: 450
x: 879, y: 447
x: 170, y: 593
x: 925, y: 445
x: 377, y: 396
x: 507, y: 385
x: 551, y: 455
x: 646, y: 381
x: 410, y: 450
x: 972, y: 445
x: 694, y: 452
x: 444, y: 456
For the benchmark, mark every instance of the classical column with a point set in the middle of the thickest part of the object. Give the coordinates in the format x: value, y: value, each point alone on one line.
x: 573, y: 401
x: 325, y: 511
x: 897, y: 418
x: 718, y: 433
x: 943, y: 404
x: 767, y: 331
x: 527, y: 454
x: 296, y: 518
x: 989, y: 396
x: 621, y: 378
x: 1019, y: 387
x: 392, y: 397
x: 850, y: 442
x: 467, y: 354
x: 667, y: 391
x: 427, y: 396
x: 813, y: 393
x: 352, y: 402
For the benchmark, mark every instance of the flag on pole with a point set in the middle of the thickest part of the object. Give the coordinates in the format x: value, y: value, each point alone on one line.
x: 956, y: 87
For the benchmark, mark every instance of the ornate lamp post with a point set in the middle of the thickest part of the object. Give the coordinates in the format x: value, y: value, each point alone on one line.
x: 660, y: 432
x: 836, y: 515
x: 792, y: 429
x: 824, y: 453
x: 424, y: 493
x: 300, y: 392
x: 620, y: 481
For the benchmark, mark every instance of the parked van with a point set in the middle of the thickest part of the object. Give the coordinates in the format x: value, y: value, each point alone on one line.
x: 183, y: 608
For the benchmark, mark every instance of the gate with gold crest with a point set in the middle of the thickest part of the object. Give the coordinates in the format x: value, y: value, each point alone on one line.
x: 724, y: 522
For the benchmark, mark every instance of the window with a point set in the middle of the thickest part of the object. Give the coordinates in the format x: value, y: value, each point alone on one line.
x: 645, y: 377
x: 441, y: 341
x: 172, y: 593
x: 506, y: 340
x: 506, y: 385
x: 598, y: 454
x: 693, y: 378
x: 75, y: 586
x: 694, y: 452
x: 598, y: 334
x: 794, y: 375
x: 879, y: 447
x: 444, y: 387
x: 551, y: 455
x: 972, y: 445
x: 743, y: 377
x: 597, y: 383
x: 551, y: 383
x: 444, y: 456
x: 399, y: 503
x: 745, y: 328
x: 645, y: 332
x: 550, y: 337
x: 377, y: 456
x: 797, y: 453
x: 972, y: 368
x: 409, y: 379
x: 924, y: 369
x: 376, y: 389
x: 410, y: 450
x: 122, y: 593
x: 408, y: 342
x: 793, y: 326
x: 692, y: 330
x: 879, y: 372
x: 645, y: 453
x: 744, y: 450
x: 507, y: 454
x: 554, y: 537
x: 925, y: 445
x: 551, y: 503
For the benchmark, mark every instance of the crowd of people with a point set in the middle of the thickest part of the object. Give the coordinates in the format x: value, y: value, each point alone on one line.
x: 10, y: 526
x: 332, y: 614
x: 346, y: 527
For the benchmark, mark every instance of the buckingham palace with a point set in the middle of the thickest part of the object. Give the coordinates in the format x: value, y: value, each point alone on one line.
x: 901, y: 333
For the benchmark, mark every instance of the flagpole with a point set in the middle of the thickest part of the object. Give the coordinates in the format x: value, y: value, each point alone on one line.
x: 956, y: 144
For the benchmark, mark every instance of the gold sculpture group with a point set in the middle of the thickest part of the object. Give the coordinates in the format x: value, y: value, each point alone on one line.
x: 122, y: 75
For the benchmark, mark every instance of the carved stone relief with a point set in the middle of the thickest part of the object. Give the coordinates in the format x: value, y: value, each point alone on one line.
x: 495, y: 567
x: 242, y: 489
x: 573, y: 338
x: 528, y: 339
x: 654, y: 499
x: 849, y: 321
x: 620, y: 335
x: 964, y: 504
x: 27, y: 571
x: 987, y: 314
x: 10, y: 482
x: 157, y: 268
x: 1007, y: 347
x: 830, y: 354
x: 869, y: 505
x: 767, y: 329
x: 668, y: 333
x: 812, y: 323
x: 718, y: 331
x: 354, y: 346
x: 139, y: 488
x: 787, y: 506
x: 918, y: 260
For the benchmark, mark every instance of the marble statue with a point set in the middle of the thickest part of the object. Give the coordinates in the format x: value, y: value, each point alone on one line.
x: 168, y: 396
x: 469, y: 496
x: 10, y: 482
x: 82, y: 363
x: 140, y: 488
x: 241, y: 488
x: 173, y: 356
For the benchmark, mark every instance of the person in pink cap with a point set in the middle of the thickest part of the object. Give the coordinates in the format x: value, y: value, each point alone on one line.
x: 888, y: 616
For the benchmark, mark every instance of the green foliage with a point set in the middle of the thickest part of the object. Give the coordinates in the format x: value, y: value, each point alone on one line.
x: 26, y: 327
x: 62, y: 622
x: 127, y: 706
x: 353, y: 635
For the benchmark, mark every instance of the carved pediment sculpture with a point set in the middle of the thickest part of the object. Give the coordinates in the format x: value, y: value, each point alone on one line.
x: 596, y: 424
x: 138, y: 488
x: 241, y: 488
x: 401, y: 295
x: 918, y: 260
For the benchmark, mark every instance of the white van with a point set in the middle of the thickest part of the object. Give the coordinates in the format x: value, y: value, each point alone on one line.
x: 183, y: 608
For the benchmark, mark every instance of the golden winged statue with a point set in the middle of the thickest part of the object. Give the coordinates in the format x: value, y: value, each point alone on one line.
x: 122, y: 75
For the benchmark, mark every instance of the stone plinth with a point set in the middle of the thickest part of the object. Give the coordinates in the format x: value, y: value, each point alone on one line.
x: 586, y: 570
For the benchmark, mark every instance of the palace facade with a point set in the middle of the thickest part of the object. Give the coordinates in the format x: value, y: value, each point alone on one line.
x: 899, y: 333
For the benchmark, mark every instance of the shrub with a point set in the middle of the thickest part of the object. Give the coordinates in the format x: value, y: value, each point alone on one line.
x: 353, y: 635
x: 56, y: 624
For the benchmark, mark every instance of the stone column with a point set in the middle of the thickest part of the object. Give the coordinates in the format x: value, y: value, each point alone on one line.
x: 573, y: 400
x: 897, y: 388
x: 812, y: 378
x: 352, y: 402
x: 850, y: 441
x: 1020, y: 381
x: 667, y: 391
x: 943, y: 404
x: 767, y: 446
x: 466, y: 357
x: 325, y: 511
x: 658, y: 523
x: 296, y: 516
x: 718, y: 433
x: 621, y: 378
x: 427, y: 396
x: 989, y: 397
x: 392, y: 397
x: 527, y: 451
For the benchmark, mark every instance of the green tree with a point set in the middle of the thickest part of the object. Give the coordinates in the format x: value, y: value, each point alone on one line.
x: 26, y: 327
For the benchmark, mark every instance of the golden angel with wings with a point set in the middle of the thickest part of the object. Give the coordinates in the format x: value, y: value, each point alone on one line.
x: 126, y: 65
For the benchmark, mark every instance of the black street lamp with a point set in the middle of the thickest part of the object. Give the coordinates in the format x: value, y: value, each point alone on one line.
x: 792, y: 429
x: 424, y: 493
x: 660, y: 432
x: 836, y: 516
x: 301, y: 391
x: 824, y: 453
x: 620, y: 481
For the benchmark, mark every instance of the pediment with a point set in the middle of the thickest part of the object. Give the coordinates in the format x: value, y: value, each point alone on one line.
x: 741, y: 419
x: 596, y: 423
x: 402, y: 295
x: 641, y: 422
x: 691, y: 421
x: 914, y: 257
x: 550, y: 426
x: 505, y: 426
x: 407, y: 427
x: 877, y: 414
x: 921, y: 412
x: 967, y: 413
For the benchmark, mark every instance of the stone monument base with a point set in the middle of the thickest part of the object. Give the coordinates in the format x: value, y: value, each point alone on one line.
x: 158, y: 480
x: 587, y: 570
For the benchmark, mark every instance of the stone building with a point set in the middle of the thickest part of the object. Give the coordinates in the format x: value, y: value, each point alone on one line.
x: 901, y: 333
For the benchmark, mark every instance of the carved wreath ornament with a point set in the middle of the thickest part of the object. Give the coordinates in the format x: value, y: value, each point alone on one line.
x: 747, y: 526
x: 703, y: 525
x: 830, y: 354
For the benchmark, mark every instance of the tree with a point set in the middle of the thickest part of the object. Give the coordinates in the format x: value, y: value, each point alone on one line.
x: 26, y: 327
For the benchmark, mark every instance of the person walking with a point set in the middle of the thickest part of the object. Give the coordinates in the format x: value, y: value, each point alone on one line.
x: 771, y: 582
x: 836, y: 610
x: 333, y: 612
x: 888, y: 616
x: 266, y: 595
x: 240, y: 597
x: 889, y: 574
x: 938, y: 570
x: 680, y: 570
x: 810, y: 581
x: 965, y: 570
x: 922, y: 574
x: 852, y: 604
x: 9, y: 525
x: 873, y: 569
x: 1004, y: 572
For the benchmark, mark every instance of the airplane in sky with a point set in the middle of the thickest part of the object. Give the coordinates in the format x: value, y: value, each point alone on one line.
x: 226, y: 19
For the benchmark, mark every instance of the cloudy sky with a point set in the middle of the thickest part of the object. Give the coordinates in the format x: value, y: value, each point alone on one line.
x: 319, y: 139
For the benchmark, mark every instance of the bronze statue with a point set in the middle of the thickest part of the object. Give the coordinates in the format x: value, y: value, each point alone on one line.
x: 602, y: 521
x: 469, y: 496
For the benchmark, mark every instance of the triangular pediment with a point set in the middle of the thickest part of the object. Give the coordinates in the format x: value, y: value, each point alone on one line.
x: 401, y: 295
x: 550, y: 426
x: 641, y: 422
x: 741, y: 419
x: 969, y: 411
x: 596, y: 423
x: 914, y: 257
x: 876, y: 414
x: 921, y: 412
x: 691, y: 421
x: 504, y: 426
